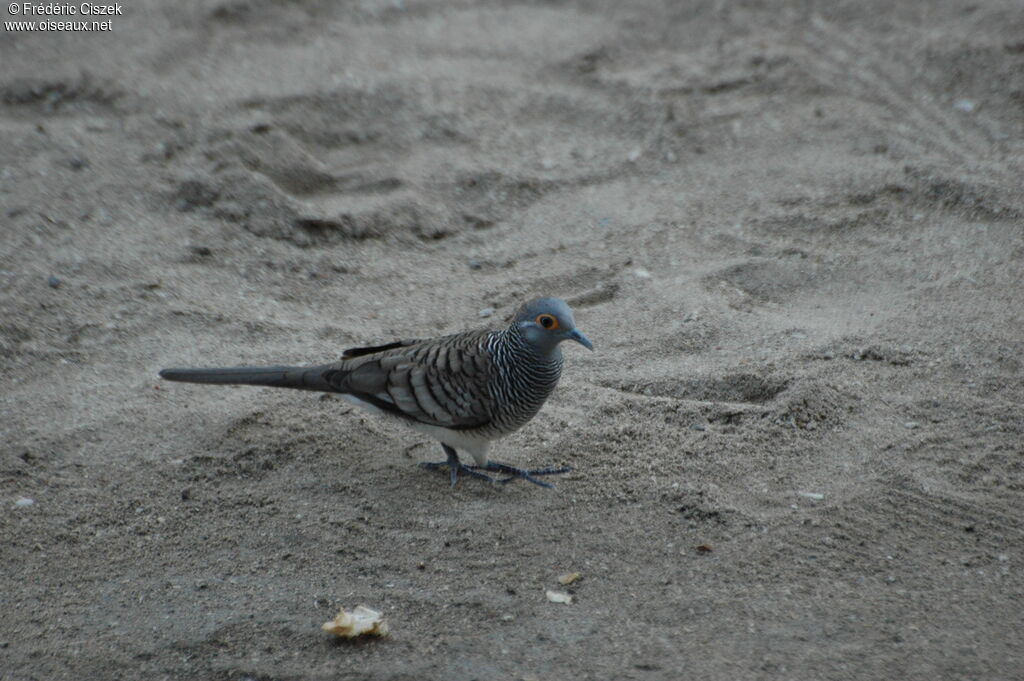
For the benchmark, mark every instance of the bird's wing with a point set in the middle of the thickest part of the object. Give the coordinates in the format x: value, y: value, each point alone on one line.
x: 352, y: 353
x: 440, y: 382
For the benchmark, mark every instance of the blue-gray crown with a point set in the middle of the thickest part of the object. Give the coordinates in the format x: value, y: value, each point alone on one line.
x: 546, y: 322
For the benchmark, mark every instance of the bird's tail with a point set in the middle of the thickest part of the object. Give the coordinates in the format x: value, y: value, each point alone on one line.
x: 299, y: 378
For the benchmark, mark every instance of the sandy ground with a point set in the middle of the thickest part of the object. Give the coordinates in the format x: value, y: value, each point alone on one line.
x: 793, y: 230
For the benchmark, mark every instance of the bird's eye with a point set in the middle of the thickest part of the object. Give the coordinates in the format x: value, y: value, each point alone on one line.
x: 547, y: 321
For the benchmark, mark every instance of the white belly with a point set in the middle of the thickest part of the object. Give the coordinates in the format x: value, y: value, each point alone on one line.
x: 459, y: 440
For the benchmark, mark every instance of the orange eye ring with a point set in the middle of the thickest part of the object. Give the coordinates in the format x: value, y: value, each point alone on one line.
x: 547, y: 321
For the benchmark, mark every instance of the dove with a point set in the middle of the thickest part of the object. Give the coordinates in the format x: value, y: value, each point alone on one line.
x: 465, y: 390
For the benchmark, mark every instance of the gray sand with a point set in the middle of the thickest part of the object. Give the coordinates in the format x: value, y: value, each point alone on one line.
x: 793, y: 231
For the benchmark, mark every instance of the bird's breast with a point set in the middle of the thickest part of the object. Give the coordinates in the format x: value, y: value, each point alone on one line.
x: 520, y: 388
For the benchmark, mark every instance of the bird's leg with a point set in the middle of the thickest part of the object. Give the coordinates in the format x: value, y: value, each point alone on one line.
x: 520, y: 473
x: 455, y: 467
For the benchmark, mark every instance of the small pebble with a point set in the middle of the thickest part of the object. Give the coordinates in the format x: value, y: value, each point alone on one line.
x: 162, y: 151
x: 569, y: 578
x: 53, y: 282
x: 910, y: 425
x: 486, y: 312
x: 475, y: 264
x: 22, y: 502
x: 965, y: 105
x: 641, y: 273
x: 812, y: 495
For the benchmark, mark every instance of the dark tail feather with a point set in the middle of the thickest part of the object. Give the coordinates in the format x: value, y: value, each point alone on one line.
x: 300, y: 378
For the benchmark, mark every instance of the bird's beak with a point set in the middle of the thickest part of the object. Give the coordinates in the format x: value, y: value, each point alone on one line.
x: 578, y: 336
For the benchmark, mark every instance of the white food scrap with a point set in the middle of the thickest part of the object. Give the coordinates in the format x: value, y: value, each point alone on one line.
x: 559, y: 597
x: 360, y: 622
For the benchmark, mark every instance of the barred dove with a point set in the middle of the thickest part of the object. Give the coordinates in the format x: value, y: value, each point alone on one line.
x: 463, y: 390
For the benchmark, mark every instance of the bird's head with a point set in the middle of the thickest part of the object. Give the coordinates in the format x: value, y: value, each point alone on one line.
x: 546, y: 322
